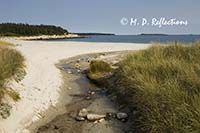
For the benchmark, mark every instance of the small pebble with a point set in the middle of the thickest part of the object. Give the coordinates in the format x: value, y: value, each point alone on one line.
x: 69, y: 72
x: 121, y: 116
x: 110, y: 115
x: 89, y: 92
x: 101, y: 120
x: 88, y: 98
x: 83, y: 112
x: 92, y: 93
x: 124, y: 120
x: 78, y: 118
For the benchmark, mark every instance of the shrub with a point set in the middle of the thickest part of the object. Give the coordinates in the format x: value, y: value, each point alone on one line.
x: 98, y: 71
x: 99, y: 66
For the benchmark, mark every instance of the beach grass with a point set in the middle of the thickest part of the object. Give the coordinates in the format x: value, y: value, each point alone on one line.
x: 161, y: 87
x: 162, y: 84
x: 98, y: 70
x: 2, y: 43
x: 11, y: 62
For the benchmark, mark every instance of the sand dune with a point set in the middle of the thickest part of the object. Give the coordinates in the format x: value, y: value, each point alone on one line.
x: 40, y: 87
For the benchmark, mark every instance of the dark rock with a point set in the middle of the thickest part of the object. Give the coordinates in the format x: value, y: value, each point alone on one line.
x: 135, y: 112
x: 110, y: 115
x: 114, y: 115
x: 124, y: 120
x: 121, y: 116
x: 56, y: 127
x: 78, y: 60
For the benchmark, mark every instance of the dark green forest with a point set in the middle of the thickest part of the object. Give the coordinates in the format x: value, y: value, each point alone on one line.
x: 14, y: 29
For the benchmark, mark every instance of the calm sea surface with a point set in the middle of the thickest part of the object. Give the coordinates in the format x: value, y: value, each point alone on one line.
x: 137, y: 38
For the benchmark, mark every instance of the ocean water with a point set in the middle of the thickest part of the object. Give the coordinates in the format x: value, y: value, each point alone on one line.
x: 137, y: 38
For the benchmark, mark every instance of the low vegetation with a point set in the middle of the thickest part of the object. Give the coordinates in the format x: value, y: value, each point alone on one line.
x: 98, y: 71
x: 161, y: 86
x: 11, y: 62
x: 5, y: 44
x: 13, y: 29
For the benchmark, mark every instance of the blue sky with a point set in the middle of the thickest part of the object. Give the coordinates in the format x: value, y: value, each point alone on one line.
x: 103, y: 15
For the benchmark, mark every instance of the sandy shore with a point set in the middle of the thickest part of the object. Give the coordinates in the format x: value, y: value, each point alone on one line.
x: 47, y: 37
x: 41, y: 85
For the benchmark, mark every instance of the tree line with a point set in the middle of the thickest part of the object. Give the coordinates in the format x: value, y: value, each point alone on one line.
x: 14, y: 29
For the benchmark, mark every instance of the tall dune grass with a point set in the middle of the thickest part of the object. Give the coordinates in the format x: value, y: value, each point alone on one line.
x: 11, y: 61
x: 162, y: 84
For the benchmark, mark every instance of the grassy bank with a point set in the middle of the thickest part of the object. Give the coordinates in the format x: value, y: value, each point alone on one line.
x: 11, y: 62
x: 161, y: 85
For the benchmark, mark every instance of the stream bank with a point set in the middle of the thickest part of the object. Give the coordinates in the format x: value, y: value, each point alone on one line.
x: 83, y: 94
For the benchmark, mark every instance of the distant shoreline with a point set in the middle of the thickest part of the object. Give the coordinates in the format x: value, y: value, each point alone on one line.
x: 112, y: 38
x: 143, y: 34
x: 56, y: 37
x: 89, y: 34
x: 47, y: 37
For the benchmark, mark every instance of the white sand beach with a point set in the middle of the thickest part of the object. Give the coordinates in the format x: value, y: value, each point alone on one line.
x: 40, y: 87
